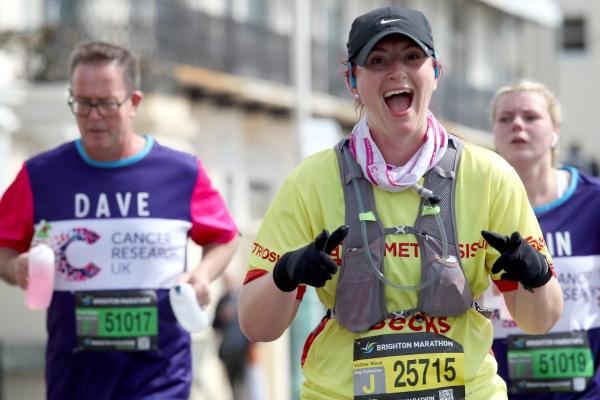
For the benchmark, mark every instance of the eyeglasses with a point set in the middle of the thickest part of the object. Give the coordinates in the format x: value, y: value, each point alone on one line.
x: 106, y: 107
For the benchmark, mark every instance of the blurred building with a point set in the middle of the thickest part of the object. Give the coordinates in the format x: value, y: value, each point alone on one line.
x: 579, y: 50
x: 229, y: 81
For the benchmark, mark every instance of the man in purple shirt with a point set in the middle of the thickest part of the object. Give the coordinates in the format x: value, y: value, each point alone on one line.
x: 117, y: 208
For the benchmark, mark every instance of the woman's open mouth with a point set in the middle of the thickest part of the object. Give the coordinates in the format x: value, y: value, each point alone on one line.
x: 398, y: 101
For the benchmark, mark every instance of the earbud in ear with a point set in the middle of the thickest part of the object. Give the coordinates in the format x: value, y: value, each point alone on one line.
x: 554, y: 140
x: 436, y: 69
x: 351, y: 77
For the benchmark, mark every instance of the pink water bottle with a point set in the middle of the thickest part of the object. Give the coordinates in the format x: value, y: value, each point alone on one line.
x: 41, y: 277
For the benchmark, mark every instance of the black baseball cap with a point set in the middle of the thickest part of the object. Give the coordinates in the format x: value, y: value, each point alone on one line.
x: 370, y: 28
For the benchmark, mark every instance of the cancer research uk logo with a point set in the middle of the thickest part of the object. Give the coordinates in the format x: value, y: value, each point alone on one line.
x: 61, y: 243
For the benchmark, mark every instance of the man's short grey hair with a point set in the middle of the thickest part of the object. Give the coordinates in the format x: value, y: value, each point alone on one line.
x: 103, y: 52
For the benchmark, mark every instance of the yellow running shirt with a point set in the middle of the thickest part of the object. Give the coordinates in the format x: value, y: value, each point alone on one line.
x: 441, y: 351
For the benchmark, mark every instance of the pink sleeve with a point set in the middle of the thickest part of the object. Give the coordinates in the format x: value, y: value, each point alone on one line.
x: 16, y: 214
x: 211, y: 221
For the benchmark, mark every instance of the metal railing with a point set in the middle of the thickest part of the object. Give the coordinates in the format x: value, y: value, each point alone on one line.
x: 165, y: 33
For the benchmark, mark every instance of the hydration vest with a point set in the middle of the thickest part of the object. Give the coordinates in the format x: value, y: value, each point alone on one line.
x: 444, y: 290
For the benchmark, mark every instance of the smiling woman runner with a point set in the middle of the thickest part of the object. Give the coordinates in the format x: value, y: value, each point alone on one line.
x: 407, y: 203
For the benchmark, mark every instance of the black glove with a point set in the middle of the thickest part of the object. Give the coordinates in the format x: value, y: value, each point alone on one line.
x: 520, y: 261
x: 310, y: 264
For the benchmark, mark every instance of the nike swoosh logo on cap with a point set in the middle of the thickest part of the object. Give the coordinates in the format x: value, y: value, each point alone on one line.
x: 387, y: 21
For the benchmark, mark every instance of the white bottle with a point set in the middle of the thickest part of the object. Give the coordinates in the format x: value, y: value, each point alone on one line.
x: 185, y: 306
x: 41, y: 277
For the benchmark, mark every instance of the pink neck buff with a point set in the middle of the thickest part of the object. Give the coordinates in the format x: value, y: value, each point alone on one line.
x: 397, y: 178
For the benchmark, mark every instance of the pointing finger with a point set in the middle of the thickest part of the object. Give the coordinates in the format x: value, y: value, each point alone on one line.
x: 496, y: 240
x: 321, y: 239
x: 336, y: 238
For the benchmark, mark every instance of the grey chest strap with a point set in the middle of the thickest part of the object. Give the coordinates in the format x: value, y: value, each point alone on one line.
x: 360, y: 300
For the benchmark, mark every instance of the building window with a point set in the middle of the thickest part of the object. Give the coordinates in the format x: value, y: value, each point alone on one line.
x: 258, y: 12
x: 574, y: 34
